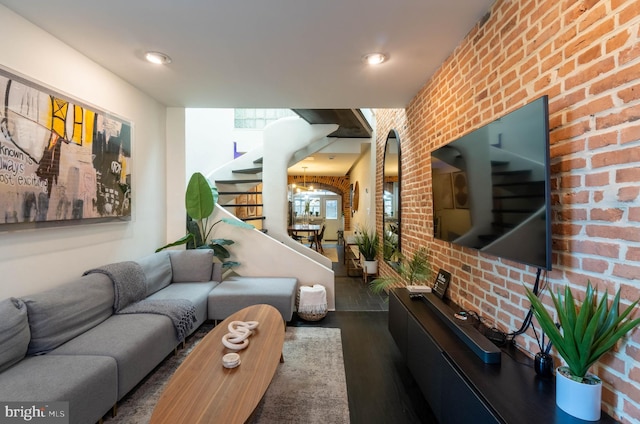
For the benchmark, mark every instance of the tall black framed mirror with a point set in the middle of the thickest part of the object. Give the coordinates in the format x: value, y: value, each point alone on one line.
x: 391, y: 180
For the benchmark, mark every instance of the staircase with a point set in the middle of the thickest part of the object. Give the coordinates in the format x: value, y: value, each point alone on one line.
x: 242, y: 195
x: 254, y: 187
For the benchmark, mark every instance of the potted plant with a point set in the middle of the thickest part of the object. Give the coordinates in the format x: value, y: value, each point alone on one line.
x: 200, y: 200
x: 417, y: 270
x: 368, y: 243
x: 588, y: 332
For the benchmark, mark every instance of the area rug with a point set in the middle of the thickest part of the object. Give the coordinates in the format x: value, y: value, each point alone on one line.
x: 331, y: 253
x: 309, y: 387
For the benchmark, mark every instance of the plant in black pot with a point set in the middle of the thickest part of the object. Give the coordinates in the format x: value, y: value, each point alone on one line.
x: 200, y: 200
x: 588, y: 331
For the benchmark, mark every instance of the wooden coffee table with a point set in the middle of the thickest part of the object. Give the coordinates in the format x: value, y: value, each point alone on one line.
x: 203, y: 391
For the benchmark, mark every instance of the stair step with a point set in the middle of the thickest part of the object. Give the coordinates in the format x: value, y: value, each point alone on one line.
x: 248, y: 205
x: 259, y: 160
x: 237, y: 193
x: 521, y: 183
x: 255, y: 170
x: 513, y: 210
x: 253, y: 218
x: 249, y: 181
x: 520, y: 196
x: 519, y: 172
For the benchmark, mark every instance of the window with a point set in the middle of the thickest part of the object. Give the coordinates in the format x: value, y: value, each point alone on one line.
x: 331, y: 209
x: 258, y: 118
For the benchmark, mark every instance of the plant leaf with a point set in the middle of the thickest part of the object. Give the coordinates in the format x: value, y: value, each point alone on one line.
x: 199, y: 197
x: 179, y: 242
x: 237, y: 223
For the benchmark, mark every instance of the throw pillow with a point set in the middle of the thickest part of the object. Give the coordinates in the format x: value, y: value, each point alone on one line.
x: 14, y: 332
x: 191, y: 265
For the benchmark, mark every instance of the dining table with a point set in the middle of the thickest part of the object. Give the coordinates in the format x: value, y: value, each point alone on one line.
x: 310, y: 229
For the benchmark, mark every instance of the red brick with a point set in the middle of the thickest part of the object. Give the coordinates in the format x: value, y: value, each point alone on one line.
x: 634, y: 214
x: 627, y: 175
x: 591, y: 247
x: 630, y: 94
x: 595, y: 265
x: 611, y: 215
x: 614, y: 232
x: 617, y: 41
x: 629, y: 134
x: 603, y: 140
x: 618, y: 79
x: 626, y: 271
x: 630, y: 12
x: 633, y: 254
x: 590, y: 55
x: 617, y: 157
x: 628, y: 194
x: 575, y: 197
x: 597, y: 180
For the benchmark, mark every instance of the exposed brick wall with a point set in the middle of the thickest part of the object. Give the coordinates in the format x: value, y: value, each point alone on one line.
x: 585, y: 55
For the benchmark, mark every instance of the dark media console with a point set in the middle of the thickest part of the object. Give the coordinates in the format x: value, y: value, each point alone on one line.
x: 445, y: 361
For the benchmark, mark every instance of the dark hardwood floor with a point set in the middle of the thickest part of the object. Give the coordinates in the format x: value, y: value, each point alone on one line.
x: 380, y: 387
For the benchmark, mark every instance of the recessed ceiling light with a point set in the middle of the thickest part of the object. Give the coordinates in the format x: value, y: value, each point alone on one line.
x: 374, y: 58
x: 157, y: 58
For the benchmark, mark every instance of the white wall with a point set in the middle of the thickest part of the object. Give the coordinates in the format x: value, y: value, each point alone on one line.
x: 37, y: 259
x: 210, y: 134
x: 363, y: 172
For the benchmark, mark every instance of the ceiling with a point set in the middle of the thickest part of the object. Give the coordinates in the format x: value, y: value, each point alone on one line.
x: 258, y: 53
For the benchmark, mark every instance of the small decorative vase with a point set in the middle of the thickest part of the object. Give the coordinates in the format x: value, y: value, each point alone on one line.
x: 543, y: 364
x: 581, y: 400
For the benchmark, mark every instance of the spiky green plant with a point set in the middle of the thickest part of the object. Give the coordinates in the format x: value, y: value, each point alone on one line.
x: 415, y: 271
x: 588, y: 331
x: 368, y: 242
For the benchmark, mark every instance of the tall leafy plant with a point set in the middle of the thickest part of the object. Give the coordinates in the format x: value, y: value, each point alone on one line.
x: 200, y: 200
x: 588, y: 331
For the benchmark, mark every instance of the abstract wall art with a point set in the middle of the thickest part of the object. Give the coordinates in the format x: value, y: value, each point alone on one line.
x: 61, y: 161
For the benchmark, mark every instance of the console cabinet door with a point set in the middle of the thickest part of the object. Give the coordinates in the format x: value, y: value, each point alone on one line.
x: 460, y: 403
x: 398, y: 324
x: 425, y: 362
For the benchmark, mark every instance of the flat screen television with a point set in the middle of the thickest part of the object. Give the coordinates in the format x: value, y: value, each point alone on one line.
x: 491, y: 187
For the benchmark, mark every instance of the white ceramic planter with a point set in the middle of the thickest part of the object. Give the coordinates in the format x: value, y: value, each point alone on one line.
x: 370, y: 267
x: 578, y: 399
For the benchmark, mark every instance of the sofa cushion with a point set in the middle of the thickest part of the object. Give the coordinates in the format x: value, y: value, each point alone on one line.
x: 157, y: 270
x: 237, y: 292
x: 193, y: 265
x: 60, y: 314
x: 14, y: 332
x: 88, y: 383
x: 138, y: 343
x: 196, y: 293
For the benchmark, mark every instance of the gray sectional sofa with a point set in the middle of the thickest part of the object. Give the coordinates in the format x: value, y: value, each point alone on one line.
x: 67, y: 344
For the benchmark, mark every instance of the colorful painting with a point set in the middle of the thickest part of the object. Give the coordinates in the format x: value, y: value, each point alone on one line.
x: 60, y: 161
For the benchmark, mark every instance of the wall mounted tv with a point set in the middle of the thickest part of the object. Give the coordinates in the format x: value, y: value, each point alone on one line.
x: 491, y: 187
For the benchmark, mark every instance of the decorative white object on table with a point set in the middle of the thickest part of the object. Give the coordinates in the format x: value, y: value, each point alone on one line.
x: 238, y: 336
x: 419, y: 289
x: 231, y: 360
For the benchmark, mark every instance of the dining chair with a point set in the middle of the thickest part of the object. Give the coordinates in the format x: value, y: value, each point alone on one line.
x: 317, y: 240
